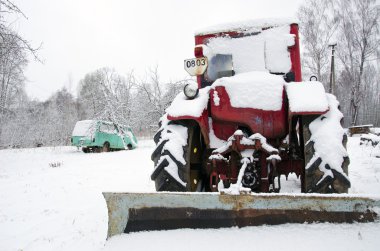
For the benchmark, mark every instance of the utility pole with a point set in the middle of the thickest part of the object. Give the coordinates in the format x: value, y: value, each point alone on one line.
x: 332, y: 70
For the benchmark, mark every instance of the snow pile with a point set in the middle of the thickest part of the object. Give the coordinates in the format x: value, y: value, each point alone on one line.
x: 370, y: 138
x: 84, y: 128
x: 375, y: 130
x: 364, y: 168
x: 306, y: 97
x: 259, y: 90
x: 266, y: 51
x: 327, y: 135
x: 181, y: 105
x: 246, y: 26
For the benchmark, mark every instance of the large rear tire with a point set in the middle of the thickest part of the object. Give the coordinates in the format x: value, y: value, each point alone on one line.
x: 171, y: 165
x: 315, y: 180
x: 172, y: 158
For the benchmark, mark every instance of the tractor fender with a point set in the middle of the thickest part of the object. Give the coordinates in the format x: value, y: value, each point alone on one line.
x: 306, y: 98
x: 202, y: 121
x: 195, y: 109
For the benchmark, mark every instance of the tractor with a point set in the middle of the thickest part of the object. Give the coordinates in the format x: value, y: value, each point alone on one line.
x: 226, y: 140
x: 250, y: 118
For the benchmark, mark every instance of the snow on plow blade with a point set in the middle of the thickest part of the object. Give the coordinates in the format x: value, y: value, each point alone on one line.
x: 130, y: 212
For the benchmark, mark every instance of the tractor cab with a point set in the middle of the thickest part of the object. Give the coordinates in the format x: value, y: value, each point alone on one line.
x: 266, y: 45
x: 247, y: 121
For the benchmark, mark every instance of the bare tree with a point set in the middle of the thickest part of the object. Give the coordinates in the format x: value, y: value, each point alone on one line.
x: 8, y: 7
x: 359, y: 42
x: 153, y: 97
x: 13, y: 60
x: 12, y: 63
x: 107, y: 95
x: 116, y: 90
x: 34, y: 123
x: 318, y: 23
x: 91, y: 96
x: 354, y: 25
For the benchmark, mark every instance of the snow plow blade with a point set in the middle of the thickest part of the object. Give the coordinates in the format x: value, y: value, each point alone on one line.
x: 131, y: 212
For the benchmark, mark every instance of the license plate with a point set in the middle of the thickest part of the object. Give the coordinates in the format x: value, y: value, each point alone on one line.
x: 196, y: 66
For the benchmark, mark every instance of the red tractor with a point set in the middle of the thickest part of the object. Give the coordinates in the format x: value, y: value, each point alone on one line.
x: 250, y: 118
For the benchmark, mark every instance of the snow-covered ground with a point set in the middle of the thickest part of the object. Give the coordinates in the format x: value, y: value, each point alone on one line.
x: 50, y: 199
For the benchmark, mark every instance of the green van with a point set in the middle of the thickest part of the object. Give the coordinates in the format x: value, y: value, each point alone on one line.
x: 102, y: 136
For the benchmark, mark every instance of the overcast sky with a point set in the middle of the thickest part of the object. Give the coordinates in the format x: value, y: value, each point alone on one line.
x: 80, y: 36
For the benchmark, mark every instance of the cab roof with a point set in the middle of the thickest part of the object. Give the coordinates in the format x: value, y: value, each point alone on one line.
x: 246, y: 26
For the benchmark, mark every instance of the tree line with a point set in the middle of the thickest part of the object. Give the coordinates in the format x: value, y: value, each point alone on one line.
x: 139, y: 101
x: 353, y: 27
x: 103, y: 94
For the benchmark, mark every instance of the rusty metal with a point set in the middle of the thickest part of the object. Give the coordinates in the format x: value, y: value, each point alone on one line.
x: 225, y: 162
x: 130, y: 212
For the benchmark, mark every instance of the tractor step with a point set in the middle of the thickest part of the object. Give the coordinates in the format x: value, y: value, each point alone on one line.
x: 131, y: 212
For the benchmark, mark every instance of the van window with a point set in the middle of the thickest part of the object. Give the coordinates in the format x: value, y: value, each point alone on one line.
x: 107, y: 128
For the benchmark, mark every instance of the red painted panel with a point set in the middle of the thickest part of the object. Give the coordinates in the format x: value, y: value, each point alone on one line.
x: 223, y: 130
x: 295, y: 54
x: 271, y: 124
x: 268, y: 123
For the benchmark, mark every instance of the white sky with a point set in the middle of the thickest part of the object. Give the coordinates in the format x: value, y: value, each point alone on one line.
x: 80, y: 36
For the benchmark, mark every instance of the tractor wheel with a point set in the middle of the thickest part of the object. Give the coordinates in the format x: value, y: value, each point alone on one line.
x: 172, y: 158
x: 315, y: 180
x: 106, y: 147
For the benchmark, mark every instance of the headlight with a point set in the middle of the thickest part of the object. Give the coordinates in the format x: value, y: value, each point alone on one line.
x: 191, y: 90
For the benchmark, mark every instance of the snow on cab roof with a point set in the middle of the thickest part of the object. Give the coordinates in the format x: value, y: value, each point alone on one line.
x: 246, y: 26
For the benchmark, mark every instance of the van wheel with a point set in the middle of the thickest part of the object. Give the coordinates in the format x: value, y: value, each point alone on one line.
x: 106, y: 147
x: 85, y: 149
x: 129, y: 146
